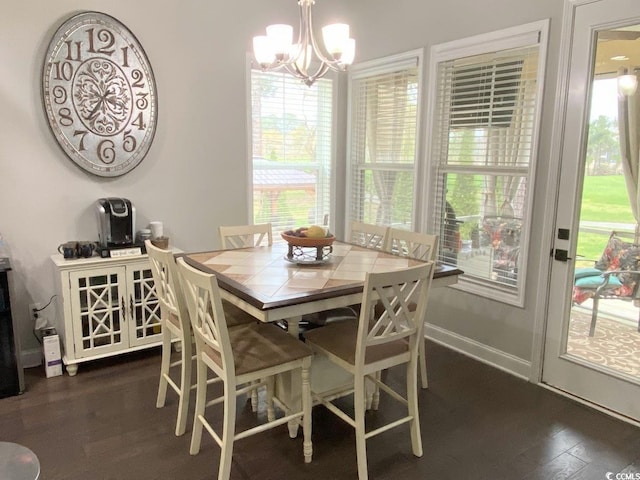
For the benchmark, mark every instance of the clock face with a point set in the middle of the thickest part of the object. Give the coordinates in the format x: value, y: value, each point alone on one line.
x: 99, y: 94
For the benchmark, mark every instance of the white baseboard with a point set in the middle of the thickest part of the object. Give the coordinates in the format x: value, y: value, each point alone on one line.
x: 31, y: 358
x: 478, y: 351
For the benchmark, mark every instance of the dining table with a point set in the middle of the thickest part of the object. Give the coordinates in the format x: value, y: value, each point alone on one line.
x: 273, y: 284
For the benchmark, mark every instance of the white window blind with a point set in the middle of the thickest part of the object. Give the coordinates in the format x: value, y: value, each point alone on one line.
x: 485, y: 122
x: 382, y: 146
x: 291, y: 150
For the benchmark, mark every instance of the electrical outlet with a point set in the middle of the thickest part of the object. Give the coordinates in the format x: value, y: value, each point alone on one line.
x: 34, y: 314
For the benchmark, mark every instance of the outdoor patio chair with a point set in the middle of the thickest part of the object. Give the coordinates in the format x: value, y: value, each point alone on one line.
x: 615, y: 276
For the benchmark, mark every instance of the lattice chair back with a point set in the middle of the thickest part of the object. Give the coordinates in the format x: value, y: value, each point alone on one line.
x: 207, y: 318
x: 167, y: 285
x: 368, y: 235
x: 175, y: 325
x: 420, y: 246
x: 242, y: 236
x: 393, y: 291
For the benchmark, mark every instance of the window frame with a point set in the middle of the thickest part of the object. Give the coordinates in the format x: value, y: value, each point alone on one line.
x: 494, y: 42
x: 371, y: 68
x: 332, y: 148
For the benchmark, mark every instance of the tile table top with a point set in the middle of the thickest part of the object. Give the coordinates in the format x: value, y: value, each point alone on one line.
x: 264, y: 277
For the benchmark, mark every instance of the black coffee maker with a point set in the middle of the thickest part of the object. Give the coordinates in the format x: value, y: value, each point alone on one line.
x: 117, y: 221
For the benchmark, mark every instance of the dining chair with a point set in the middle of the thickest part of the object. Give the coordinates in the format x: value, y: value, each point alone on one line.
x: 368, y: 235
x: 375, y: 343
x: 243, y: 355
x: 175, y: 327
x: 240, y: 236
x: 420, y: 246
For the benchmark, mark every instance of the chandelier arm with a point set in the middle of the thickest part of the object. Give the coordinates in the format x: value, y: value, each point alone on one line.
x: 314, y: 44
x: 293, y: 70
x: 273, y: 67
x: 322, y: 69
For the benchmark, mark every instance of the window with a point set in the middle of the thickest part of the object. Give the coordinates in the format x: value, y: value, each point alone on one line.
x: 486, y: 93
x: 383, y: 120
x: 291, y: 150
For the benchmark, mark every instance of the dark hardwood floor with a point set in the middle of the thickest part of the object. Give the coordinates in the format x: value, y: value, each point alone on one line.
x: 477, y: 423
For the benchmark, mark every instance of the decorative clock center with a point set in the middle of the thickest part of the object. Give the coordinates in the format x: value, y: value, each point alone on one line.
x: 102, y: 96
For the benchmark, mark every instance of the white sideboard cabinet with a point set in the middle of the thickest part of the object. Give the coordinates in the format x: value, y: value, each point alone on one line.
x: 108, y: 307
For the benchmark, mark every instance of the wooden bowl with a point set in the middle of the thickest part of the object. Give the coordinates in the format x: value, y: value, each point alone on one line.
x: 308, y: 242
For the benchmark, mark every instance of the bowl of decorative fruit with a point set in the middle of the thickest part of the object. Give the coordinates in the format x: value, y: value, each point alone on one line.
x: 313, y: 236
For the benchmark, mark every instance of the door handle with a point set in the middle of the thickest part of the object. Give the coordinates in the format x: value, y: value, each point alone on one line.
x: 131, y: 306
x: 123, y: 309
x: 561, y: 255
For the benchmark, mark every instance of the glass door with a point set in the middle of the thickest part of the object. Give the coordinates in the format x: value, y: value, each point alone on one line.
x: 592, y: 346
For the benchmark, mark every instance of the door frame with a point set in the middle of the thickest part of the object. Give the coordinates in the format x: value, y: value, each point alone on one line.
x: 553, y: 185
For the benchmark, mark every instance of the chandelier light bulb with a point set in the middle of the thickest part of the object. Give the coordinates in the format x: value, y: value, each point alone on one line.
x: 263, y: 51
x: 627, y: 84
x: 335, y: 38
x: 349, y: 52
x: 281, y: 38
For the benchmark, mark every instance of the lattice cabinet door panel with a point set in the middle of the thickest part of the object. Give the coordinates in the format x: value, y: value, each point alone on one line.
x: 98, y: 303
x: 144, y: 309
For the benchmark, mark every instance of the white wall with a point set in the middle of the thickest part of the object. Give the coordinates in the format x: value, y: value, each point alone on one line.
x: 195, y: 175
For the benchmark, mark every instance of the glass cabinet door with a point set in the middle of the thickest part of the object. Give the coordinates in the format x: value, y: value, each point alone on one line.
x: 143, y: 306
x: 99, y: 308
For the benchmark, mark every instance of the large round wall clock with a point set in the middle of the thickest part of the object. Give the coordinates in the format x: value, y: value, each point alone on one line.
x: 99, y: 94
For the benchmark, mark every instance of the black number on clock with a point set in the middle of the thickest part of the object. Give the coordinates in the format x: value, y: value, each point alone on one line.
x: 104, y: 36
x: 125, y: 56
x: 142, y: 101
x: 106, y: 151
x: 65, y: 117
x: 138, y: 76
x: 62, y: 71
x: 139, y: 122
x: 128, y: 142
x: 59, y: 95
x: 70, y: 52
x: 83, y: 133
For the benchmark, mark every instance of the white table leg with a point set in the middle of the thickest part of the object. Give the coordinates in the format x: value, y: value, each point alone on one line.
x: 291, y: 393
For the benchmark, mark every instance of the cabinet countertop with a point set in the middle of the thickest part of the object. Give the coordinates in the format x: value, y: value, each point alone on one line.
x: 62, y: 262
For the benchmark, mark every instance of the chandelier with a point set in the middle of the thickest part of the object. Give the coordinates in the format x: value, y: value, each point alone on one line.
x: 627, y: 82
x: 305, y: 59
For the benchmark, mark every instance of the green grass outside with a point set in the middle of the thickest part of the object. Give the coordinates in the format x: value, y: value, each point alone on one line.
x: 604, y: 199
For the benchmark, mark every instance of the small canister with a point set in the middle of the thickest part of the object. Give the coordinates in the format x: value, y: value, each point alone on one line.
x: 142, y: 235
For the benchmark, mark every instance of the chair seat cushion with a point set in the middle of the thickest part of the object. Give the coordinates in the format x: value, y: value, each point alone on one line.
x: 594, y: 281
x: 586, y: 272
x: 340, y: 340
x: 260, y: 346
